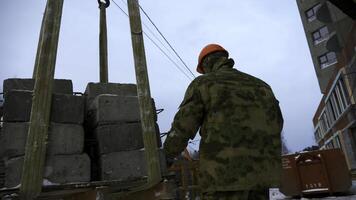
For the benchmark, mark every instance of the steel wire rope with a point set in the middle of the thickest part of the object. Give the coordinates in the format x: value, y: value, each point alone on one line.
x: 169, y: 44
x: 173, y: 62
x: 160, y: 41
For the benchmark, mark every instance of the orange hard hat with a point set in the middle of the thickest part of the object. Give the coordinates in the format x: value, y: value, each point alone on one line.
x: 208, y: 49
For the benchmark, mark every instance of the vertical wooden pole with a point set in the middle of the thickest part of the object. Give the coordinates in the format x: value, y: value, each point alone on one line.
x: 32, y: 172
x: 144, y: 95
x: 103, y: 41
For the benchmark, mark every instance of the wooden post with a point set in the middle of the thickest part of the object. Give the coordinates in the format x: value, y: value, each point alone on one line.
x: 103, y: 43
x: 32, y: 172
x: 144, y: 95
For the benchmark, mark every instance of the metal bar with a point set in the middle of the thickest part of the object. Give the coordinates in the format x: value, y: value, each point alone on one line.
x: 144, y: 95
x: 32, y: 172
x: 103, y: 46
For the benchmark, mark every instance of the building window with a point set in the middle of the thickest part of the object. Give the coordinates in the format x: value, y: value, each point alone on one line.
x: 311, y: 13
x: 318, y: 134
x: 330, y: 145
x: 337, y: 102
x: 320, y: 35
x: 327, y: 59
x: 337, y: 142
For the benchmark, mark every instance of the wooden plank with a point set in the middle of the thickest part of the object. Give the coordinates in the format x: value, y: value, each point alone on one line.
x: 103, y: 47
x: 63, y: 190
x: 144, y: 95
x: 32, y: 173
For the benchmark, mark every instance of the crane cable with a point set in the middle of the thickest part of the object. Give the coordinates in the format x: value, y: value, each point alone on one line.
x: 175, y: 64
x: 185, y: 65
x: 161, y: 34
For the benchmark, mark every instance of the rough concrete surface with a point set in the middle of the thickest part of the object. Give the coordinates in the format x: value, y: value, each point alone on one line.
x: 63, y: 139
x: 65, y: 108
x: 58, y: 169
x: 95, y: 89
x: 119, y: 137
x: 17, y: 106
x: 60, y: 86
x: 109, y: 109
x: 126, y: 165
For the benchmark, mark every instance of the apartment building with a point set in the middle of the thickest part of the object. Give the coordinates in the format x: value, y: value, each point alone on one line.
x: 331, y: 34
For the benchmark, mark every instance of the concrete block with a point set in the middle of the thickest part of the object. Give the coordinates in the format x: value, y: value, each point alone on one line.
x: 119, y: 137
x: 17, y: 106
x: 2, y: 143
x: 110, y: 109
x: 155, y: 115
x: 126, y: 165
x: 68, y: 168
x: 65, y: 108
x: 123, y: 165
x: 2, y: 173
x: 13, y: 171
x: 60, y: 86
x: 95, y: 89
x: 58, y: 169
x: 63, y: 139
x: 158, y: 132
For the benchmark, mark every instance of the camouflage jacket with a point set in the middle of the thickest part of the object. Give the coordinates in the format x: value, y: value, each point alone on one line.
x: 239, y: 121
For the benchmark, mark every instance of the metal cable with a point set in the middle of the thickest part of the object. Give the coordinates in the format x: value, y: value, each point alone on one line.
x: 174, y: 63
x: 185, y: 65
x: 154, y: 35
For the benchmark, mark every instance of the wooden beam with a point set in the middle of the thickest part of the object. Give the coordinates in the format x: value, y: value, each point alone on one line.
x: 32, y: 172
x: 103, y: 43
x: 144, y: 95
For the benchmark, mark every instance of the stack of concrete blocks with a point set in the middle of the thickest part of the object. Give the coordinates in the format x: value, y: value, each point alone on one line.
x: 65, y: 160
x: 114, y: 129
x: 2, y: 163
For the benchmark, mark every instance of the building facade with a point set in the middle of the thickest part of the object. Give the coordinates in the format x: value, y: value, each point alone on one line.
x: 331, y: 36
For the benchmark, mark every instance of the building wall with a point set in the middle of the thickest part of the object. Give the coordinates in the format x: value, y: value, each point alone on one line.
x: 335, y: 117
x: 336, y: 23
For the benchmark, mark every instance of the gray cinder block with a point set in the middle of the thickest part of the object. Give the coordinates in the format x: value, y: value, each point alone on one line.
x: 126, y: 165
x: 58, y: 169
x: 65, y: 108
x: 119, y: 137
x: 95, y: 89
x: 63, y: 139
x: 2, y: 173
x: 60, y: 86
x: 17, y: 106
x: 109, y: 109
x: 68, y: 168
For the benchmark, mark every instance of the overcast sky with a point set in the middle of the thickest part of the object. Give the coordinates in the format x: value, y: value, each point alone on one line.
x: 265, y: 38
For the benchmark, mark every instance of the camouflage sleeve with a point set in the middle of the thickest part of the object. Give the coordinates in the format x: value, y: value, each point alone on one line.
x: 186, y: 122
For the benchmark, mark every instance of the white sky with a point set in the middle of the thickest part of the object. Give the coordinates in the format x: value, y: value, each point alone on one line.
x: 265, y: 38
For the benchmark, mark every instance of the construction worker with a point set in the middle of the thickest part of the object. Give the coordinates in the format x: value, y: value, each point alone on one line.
x: 240, y: 123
